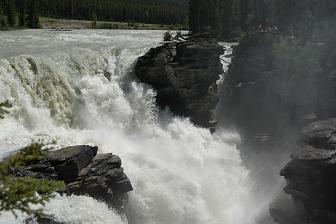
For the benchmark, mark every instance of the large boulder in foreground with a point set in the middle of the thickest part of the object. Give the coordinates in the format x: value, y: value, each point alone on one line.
x: 311, y: 173
x: 184, y: 75
x: 84, y: 173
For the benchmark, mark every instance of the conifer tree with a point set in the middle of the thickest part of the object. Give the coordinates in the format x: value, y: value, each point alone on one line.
x: 33, y: 14
x: 22, y: 12
x: 19, y: 193
x: 10, y: 12
x: 2, y: 14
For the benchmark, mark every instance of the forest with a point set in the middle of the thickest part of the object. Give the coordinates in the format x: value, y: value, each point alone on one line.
x: 231, y: 17
x: 26, y: 12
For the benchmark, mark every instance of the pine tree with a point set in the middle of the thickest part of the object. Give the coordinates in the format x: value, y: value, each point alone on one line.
x: 22, y: 12
x: 19, y: 193
x: 33, y: 14
x: 2, y: 16
x: 10, y: 12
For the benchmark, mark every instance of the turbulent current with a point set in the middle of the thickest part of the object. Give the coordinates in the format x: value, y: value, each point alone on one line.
x: 77, y: 87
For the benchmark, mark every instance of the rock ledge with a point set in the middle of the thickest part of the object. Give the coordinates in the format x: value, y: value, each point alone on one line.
x: 184, y: 75
x: 311, y: 173
x: 84, y: 173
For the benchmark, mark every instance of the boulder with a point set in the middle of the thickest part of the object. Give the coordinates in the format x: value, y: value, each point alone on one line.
x: 184, y: 75
x: 103, y: 179
x: 69, y: 161
x: 85, y: 173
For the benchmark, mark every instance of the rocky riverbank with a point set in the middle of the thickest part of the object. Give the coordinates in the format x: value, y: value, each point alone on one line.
x: 184, y: 75
x: 84, y: 172
x: 275, y: 87
x: 311, y: 173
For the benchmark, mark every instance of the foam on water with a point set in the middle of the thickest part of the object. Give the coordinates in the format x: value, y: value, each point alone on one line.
x: 72, y: 209
x: 181, y: 173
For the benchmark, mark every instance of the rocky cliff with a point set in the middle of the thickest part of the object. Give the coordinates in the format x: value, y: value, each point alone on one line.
x: 184, y: 75
x: 275, y: 86
x: 84, y: 173
x: 311, y: 173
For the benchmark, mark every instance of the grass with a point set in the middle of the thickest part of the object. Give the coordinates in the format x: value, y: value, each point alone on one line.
x: 51, y: 23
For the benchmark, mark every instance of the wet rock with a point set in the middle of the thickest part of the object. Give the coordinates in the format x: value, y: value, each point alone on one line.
x: 85, y: 173
x: 311, y: 173
x: 320, y: 134
x: 45, y: 220
x: 283, y: 211
x: 184, y: 75
x: 68, y: 162
x: 102, y: 179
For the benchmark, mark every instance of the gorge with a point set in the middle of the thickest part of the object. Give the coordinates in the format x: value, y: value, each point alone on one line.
x: 198, y: 145
x: 268, y: 109
x: 81, y: 90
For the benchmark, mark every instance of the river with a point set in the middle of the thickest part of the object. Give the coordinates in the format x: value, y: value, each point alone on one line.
x: 77, y: 87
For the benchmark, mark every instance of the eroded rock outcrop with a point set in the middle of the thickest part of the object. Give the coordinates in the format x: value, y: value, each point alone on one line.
x: 184, y: 75
x: 311, y: 173
x: 84, y: 173
x: 273, y: 89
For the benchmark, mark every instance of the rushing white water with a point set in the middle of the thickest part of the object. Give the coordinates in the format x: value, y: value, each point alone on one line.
x: 76, y: 87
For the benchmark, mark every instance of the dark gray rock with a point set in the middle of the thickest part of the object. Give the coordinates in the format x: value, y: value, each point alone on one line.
x: 320, y: 134
x: 184, y: 75
x: 283, y: 211
x: 46, y: 220
x: 310, y: 175
x: 68, y: 162
x: 103, y: 179
x: 85, y: 173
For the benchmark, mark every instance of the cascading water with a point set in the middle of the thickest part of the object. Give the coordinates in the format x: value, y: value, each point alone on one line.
x: 80, y: 90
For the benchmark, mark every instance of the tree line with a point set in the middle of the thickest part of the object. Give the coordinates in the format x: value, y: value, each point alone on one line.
x: 19, y: 13
x: 229, y: 17
x: 146, y: 11
x: 27, y: 12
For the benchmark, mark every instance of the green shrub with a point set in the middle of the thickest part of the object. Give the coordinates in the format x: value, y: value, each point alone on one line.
x: 29, y: 154
x: 167, y: 36
x: 19, y: 193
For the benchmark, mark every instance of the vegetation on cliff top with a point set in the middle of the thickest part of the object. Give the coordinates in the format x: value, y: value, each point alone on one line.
x: 18, y: 194
x: 230, y: 17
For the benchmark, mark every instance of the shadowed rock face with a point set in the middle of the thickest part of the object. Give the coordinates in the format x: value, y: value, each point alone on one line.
x: 311, y: 173
x: 269, y: 103
x: 85, y: 173
x: 184, y: 76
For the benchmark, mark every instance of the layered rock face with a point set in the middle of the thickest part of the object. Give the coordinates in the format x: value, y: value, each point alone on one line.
x: 273, y: 89
x: 84, y: 173
x: 184, y: 75
x: 274, y: 85
x: 311, y: 173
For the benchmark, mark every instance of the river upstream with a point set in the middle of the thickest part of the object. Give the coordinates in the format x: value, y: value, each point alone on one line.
x: 77, y: 87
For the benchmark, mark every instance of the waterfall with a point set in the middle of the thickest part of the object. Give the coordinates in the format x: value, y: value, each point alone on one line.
x: 84, y: 92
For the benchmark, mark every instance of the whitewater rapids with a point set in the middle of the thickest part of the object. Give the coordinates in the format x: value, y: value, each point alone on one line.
x: 77, y: 87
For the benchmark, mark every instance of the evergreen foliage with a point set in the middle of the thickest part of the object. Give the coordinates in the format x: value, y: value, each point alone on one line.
x: 20, y: 193
x: 169, y: 12
x: 33, y: 14
x: 22, y: 13
x: 229, y: 17
x: 146, y: 11
x: 10, y: 12
x: 167, y: 36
